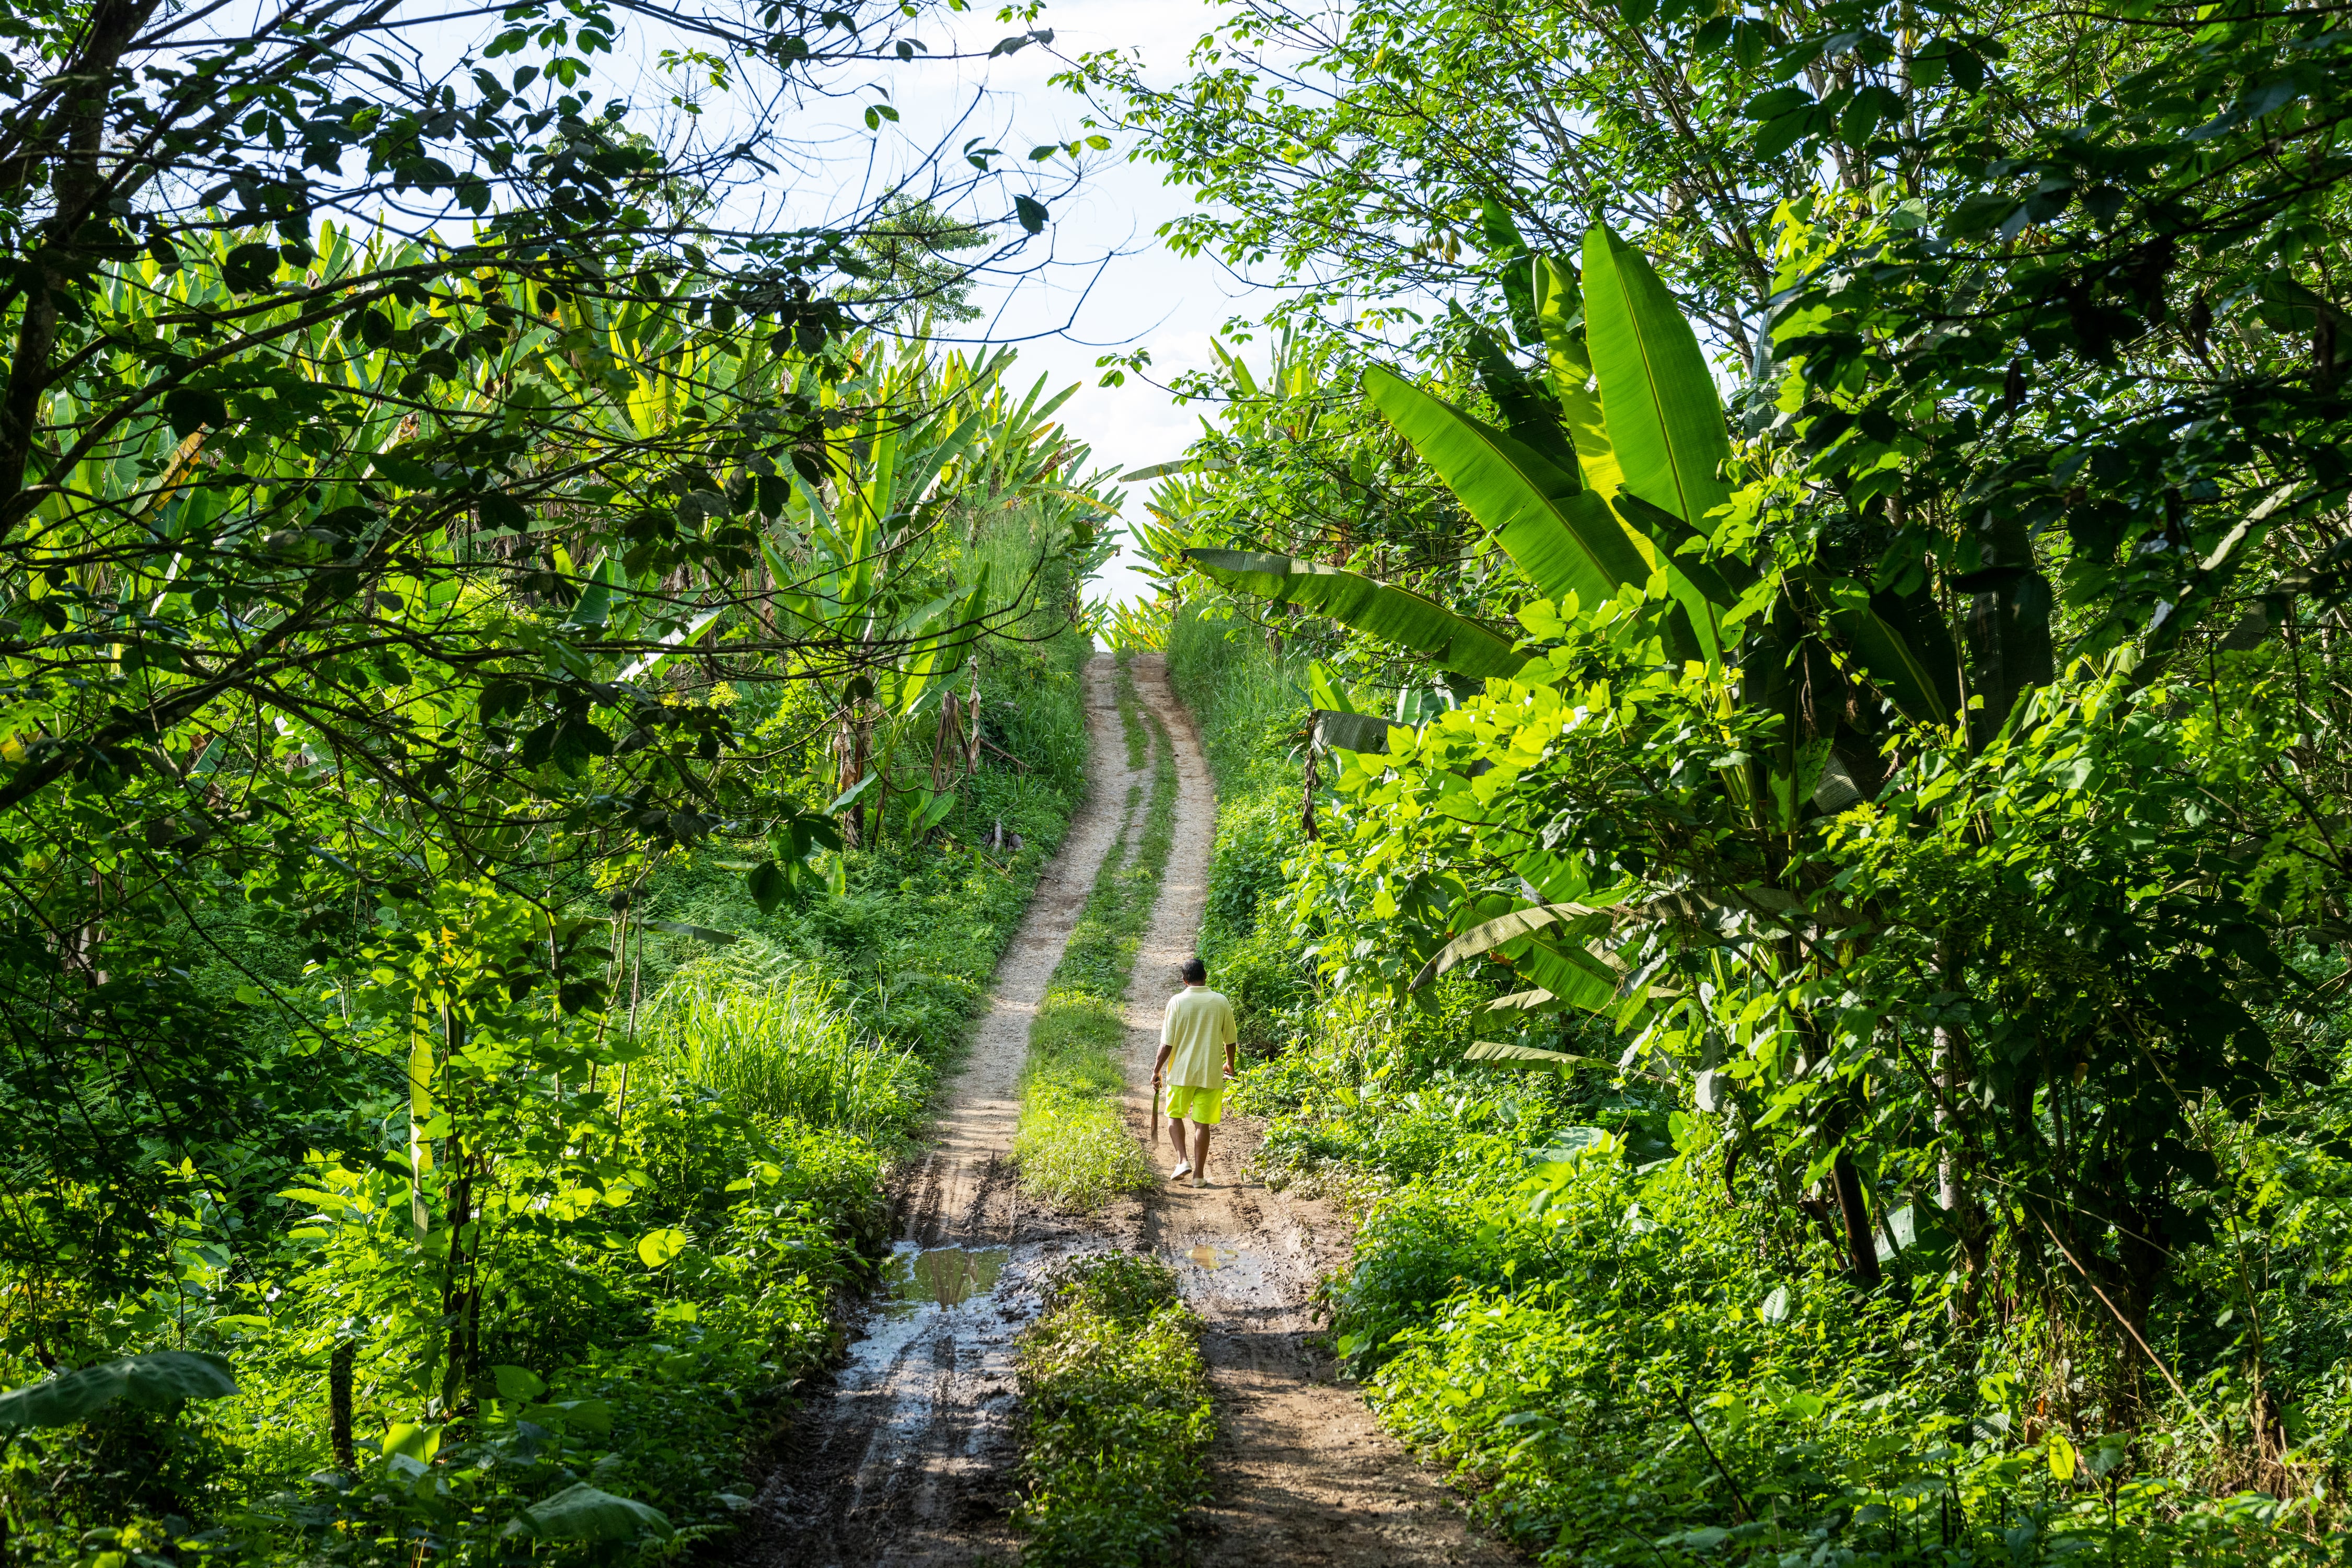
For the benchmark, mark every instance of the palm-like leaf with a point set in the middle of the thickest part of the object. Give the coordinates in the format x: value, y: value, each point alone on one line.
x: 1665, y: 421
x: 1562, y: 536
x: 1561, y: 313
x: 1488, y: 935
x: 1378, y: 609
x: 1344, y: 732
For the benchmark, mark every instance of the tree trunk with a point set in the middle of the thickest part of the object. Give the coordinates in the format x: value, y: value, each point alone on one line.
x: 338, y: 1404
x: 1964, y: 1218
x: 1861, y: 1245
x: 971, y: 719
x: 1307, y: 799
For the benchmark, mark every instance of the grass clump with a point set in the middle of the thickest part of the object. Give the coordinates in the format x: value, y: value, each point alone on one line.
x: 1118, y: 1415
x: 1130, y: 715
x: 775, y: 1042
x: 1072, y: 1143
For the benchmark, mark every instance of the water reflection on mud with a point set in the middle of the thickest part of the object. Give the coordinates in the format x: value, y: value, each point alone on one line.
x: 941, y: 1276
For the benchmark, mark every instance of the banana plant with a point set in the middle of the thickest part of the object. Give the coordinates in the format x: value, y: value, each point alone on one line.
x: 1600, y: 485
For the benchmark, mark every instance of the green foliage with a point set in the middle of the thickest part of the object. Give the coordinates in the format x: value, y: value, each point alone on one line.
x: 653, y: 1257
x: 160, y: 1379
x: 774, y: 1043
x: 1593, y: 1350
x: 1632, y: 1333
x: 1118, y: 1417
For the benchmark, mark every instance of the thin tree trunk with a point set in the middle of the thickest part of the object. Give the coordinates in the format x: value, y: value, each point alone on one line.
x: 1861, y: 1245
x: 1307, y: 797
x: 339, y: 1403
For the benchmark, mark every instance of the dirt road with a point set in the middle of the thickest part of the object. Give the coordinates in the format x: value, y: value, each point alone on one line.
x: 909, y: 1458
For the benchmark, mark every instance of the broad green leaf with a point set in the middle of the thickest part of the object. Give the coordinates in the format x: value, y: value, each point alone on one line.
x: 1564, y: 537
x: 1366, y: 733
x: 853, y: 795
x: 1882, y: 655
x: 1524, y: 1001
x: 412, y: 1440
x: 2107, y: 1455
x: 2062, y: 1457
x: 1327, y: 689
x: 656, y: 1248
x: 768, y: 885
x: 1499, y: 1053
x: 1571, y: 973
x: 1394, y: 614
x: 699, y: 933
x: 1498, y: 233
x: 149, y: 1381
x: 1179, y: 466
x: 1665, y: 421
x: 1487, y: 935
x: 1530, y: 414
x: 1720, y: 582
x: 517, y: 1385
x: 581, y: 1513
x: 1561, y: 314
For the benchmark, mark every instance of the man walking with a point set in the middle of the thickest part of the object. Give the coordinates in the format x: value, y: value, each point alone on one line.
x: 1197, y: 1031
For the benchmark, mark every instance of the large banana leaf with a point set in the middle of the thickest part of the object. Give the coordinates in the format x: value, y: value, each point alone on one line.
x: 1665, y: 421
x: 1530, y: 413
x: 1720, y: 580
x: 1392, y: 614
x: 1488, y: 935
x: 1573, y: 975
x: 1337, y: 731
x: 1561, y: 312
x: 1561, y: 535
x: 1921, y: 687
x: 1502, y: 1054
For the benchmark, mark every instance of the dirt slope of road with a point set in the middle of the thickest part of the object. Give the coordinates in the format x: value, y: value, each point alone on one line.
x: 907, y: 1457
x: 1304, y: 1474
x: 907, y: 1461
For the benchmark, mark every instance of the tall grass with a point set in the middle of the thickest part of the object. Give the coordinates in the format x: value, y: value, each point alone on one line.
x: 774, y: 1041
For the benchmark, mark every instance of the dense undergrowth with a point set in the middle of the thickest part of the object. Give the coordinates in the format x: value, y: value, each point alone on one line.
x: 1626, y: 1351
x: 1072, y: 1143
x: 713, y: 1184
x: 1119, y: 1416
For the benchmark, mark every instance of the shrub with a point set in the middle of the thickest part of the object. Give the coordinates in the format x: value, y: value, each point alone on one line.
x: 1119, y: 1416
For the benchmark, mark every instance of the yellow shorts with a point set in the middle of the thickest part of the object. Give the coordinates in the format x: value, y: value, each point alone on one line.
x: 1205, y: 1106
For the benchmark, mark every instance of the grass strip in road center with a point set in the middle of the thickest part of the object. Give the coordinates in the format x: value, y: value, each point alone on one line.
x: 1072, y: 1144
x: 1119, y: 1419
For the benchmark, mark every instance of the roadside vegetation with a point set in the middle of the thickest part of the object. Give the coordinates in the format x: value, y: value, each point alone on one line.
x: 526, y: 727
x: 1117, y: 1417
x: 1073, y: 1145
x: 1566, y: 1289
x: 1769, y: 604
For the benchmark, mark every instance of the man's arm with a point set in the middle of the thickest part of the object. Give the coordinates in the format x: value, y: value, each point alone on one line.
x: 1160, y: 1062
x: 1232, y: 1043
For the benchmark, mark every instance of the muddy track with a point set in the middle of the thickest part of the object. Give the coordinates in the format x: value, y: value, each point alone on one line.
x: 906, y: 1459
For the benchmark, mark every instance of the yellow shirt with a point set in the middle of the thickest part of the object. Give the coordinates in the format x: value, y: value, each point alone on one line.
x: 1198, y: 1027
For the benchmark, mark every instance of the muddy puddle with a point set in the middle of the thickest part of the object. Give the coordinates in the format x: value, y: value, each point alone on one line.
x: 919, y: 1276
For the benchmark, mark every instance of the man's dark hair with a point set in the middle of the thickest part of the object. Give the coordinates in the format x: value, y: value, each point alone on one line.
x: 1196, y: 971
